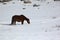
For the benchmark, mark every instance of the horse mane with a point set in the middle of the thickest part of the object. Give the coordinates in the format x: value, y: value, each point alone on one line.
x: 25, y: 17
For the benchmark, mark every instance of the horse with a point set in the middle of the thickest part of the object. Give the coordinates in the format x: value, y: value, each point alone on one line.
x: 19, y: 18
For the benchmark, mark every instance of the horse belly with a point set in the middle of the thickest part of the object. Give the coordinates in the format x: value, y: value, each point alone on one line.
x: 18, y: 20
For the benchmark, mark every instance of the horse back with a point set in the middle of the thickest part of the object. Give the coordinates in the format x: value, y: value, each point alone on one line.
x: 19, y: 17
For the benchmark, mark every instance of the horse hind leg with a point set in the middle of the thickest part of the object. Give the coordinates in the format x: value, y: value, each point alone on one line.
x: 13, y: 22
x: 22, y: 22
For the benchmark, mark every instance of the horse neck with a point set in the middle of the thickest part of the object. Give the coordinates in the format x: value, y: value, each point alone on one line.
x: 26, y: 18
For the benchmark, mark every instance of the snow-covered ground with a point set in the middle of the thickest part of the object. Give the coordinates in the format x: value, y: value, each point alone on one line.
x: 45, y: 21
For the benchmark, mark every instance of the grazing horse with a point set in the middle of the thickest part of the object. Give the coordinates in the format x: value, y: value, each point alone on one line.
x: 19, y: 18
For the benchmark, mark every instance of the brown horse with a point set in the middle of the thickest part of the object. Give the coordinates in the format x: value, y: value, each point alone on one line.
x: 19, y: 18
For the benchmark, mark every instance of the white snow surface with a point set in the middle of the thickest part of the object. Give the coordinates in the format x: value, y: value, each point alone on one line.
x: 44, y: 21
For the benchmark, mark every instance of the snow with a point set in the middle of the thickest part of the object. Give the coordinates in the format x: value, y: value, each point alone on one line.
x: 45, y: 21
